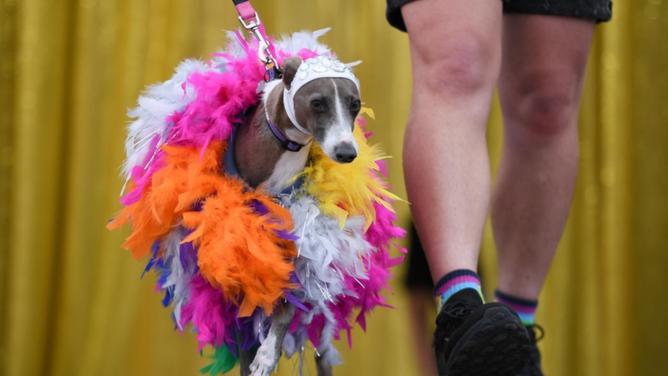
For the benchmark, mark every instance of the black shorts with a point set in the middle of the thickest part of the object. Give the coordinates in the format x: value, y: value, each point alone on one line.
x: 595, y: 10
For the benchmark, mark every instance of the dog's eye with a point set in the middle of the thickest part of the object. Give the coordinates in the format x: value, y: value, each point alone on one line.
x: 355, y: 106
x: 318, y: 104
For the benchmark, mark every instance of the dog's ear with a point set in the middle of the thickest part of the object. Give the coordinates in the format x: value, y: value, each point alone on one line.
x: 290, y: 66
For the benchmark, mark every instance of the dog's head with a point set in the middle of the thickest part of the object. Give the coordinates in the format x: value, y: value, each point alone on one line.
x: 325, y: 100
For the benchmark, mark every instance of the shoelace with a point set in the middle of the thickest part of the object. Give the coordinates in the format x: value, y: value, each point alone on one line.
x: 536, y: 328
x: 453, y: 315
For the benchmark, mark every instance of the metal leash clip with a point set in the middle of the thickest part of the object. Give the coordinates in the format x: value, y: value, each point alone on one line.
x: 263, y: 51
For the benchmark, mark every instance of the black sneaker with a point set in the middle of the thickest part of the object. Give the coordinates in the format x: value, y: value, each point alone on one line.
x: 479, y: 339
x: 533, y: 368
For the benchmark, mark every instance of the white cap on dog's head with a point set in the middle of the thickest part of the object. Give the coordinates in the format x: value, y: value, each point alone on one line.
x: 309, y: 70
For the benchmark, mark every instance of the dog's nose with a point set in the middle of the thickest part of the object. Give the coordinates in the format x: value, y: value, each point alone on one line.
x: 345, y: 152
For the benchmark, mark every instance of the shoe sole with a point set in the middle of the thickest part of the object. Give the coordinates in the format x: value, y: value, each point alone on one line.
x: 496, y: 345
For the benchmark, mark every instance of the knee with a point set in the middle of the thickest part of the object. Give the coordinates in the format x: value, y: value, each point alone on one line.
x: 463, y: 66
x: 542, y: 107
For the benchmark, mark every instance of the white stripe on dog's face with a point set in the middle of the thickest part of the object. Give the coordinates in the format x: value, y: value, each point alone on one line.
x: 327, y: 107
x: 340, y: 132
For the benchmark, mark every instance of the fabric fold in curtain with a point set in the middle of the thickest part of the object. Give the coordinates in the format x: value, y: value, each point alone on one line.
x: 71, y: 300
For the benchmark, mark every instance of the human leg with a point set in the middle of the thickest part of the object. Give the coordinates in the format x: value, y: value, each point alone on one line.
x: 455, y: 50
x: 540, y: 86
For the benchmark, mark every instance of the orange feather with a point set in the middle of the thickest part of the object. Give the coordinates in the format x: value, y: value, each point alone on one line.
x: 239, y: 251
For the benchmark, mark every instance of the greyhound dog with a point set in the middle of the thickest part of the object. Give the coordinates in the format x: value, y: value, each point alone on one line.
x: 317, y: 100
x: 322, y: 110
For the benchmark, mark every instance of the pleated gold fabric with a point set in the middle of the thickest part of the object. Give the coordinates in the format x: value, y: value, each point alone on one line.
x: 71, y: 301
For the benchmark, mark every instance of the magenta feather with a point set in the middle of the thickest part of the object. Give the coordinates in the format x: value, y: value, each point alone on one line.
x: 208, y: 311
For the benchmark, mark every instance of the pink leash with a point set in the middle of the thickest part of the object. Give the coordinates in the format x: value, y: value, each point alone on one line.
x: 250, y: 20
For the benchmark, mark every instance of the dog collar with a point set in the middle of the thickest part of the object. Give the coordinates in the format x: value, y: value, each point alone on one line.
x: 311, y: 69
x: 230, y: 165
x: 282, y: 138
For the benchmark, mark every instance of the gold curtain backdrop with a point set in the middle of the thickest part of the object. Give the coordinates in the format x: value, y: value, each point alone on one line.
x: 71, y: 301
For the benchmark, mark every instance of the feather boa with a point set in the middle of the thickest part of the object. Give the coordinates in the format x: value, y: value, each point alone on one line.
x: 226, y: 255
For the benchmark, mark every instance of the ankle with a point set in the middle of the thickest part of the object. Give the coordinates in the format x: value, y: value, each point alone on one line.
x: 456, y: 281
x: 525, y: 308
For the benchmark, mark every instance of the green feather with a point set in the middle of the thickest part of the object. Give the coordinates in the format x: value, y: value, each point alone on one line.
x: 223, y: 361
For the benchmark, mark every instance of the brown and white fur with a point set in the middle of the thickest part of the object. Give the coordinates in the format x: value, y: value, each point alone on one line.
x: 326, y: 108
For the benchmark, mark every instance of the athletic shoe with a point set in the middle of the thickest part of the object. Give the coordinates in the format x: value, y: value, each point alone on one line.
x: 533, y: 368
x: 477, y: 339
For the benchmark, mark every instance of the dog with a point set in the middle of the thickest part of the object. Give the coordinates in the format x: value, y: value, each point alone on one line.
x: 273, y: 145
x: 214, y: 123
x: 326, y: 108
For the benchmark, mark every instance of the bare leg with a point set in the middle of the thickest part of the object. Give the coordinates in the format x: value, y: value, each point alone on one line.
x: 323, y: 369
x: 455, y: 51
x: 245, y: 359
x: 541, y: 79
x: 421, y: 304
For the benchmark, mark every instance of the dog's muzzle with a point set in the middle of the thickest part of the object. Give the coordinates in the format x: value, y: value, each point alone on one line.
x: 345, y: 152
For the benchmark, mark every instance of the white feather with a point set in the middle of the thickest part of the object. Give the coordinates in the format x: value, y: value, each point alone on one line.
x: 294, y: 342
x: 329, y: 354
x: 180, y: 274
x: 325, y: 253
x: 296, y: 42
x: 154, y: 106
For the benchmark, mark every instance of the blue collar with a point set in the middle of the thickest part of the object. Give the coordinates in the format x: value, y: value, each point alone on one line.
x: 230, y: 165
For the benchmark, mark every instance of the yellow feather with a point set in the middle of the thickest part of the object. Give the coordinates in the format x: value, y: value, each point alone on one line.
x: 349, y: 189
